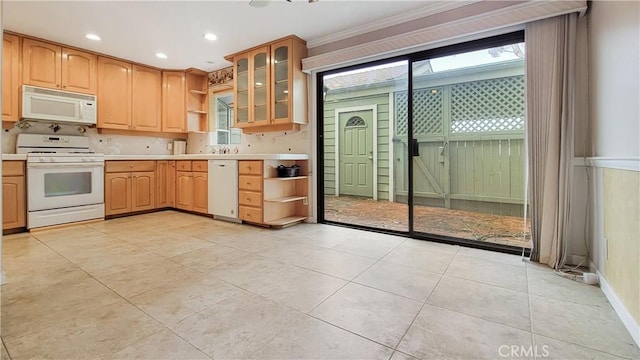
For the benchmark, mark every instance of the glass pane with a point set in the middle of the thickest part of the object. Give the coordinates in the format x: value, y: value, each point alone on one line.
x: 377, y: 145
x: 469, y: 173
x: 242, y: 91
x: 281, y: 82
x: 64, y: 184
x: 260, y: 94
x: 223, y: 137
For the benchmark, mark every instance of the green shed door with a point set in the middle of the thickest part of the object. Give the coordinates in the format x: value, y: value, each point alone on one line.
x: 356, y: 153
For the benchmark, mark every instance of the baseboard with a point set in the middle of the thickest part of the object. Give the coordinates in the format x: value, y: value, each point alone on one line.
x: 620, y: 309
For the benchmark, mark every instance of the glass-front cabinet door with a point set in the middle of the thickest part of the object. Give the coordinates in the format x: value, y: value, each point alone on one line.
x: 241, y: 71
x: 260, y: 86
x: 281, y: 82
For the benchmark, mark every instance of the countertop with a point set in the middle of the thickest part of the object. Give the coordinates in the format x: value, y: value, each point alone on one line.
x: 210, y: 157
x: 188, y: 157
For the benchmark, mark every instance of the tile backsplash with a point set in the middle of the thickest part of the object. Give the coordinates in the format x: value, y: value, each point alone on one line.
x: 100, y: 143
x: 197, y: 143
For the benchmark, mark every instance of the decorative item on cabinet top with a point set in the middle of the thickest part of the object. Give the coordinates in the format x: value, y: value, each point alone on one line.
x: 222, y: 79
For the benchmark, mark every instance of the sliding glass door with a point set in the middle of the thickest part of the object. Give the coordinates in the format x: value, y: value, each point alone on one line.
x: 468, y: 145
x: 447, y: 162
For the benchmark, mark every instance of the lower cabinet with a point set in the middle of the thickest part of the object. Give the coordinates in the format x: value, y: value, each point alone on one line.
x: 165, y: 183
x: 129, y: 191
x: 192, y: 184
x: 14, y: 210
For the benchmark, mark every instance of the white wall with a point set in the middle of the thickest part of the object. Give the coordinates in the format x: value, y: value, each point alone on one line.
x: 614, y: 56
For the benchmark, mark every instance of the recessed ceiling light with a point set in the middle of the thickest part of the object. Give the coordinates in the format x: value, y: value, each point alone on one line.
x: 210, y: 62
x: 210, y: 36
x: 92, y: 37
x: 161, y: 55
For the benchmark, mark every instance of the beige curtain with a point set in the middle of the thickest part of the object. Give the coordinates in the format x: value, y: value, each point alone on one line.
x: 550, y: 78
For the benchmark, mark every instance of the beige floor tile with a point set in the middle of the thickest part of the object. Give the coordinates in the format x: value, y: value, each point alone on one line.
x: 374, y: 314
x: 400, y: 280
x: 310, y: 338
x: 66, y: 233
x: 207, y: 258
x: 169, y: 245
x: 443, y: 334
x: 248, y: 240
x: 554, y: 349
x: 504, y: 306
x: 35, y: 308
x: 510, y: 259
x: 289, y: 285
x: 431, y: 246
x: 595, y: 327
x: 139, y: 278
x: 161, y: 345
x: 173, y: 302
x: 371, y: 245
x: 488, y: 272
x: 326, y: 236
x: 423, y: 259
x: 107, y: 330
x: 545, y: 282
x: 397, y: 355
x: 3, y: 353
x: 326, y: 261
x: 236, y: 327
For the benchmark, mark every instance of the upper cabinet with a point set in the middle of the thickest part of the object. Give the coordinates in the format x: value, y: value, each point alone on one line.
x: 10, y: 77
x: 174, y: 117
x: 147, y: 99
x: 114, y: 94
x: 269, y: 86
x: 52, y: 66
x: 184, y: 101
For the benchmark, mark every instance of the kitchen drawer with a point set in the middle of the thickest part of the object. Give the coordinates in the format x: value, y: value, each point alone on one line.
x: 250, y: 198
x: 183, y: 165
x: 12, y: 168
x: 250, y: 214
x: 250, y: 167
x: 200, y: 165
x: 126, y: 166
x: 251, y: 183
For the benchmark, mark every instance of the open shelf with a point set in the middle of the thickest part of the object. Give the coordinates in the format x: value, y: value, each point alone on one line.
x: 286, y: 199
x: 197, y: 111
x: 199, y: 92
x: 289, y: 220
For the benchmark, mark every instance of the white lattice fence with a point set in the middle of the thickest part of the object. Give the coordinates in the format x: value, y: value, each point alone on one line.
x: 428, y: 112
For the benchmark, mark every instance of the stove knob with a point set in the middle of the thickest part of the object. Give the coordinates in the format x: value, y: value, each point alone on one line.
x: 92, y: 159
x: 42, y: 158
x: 51, y: 159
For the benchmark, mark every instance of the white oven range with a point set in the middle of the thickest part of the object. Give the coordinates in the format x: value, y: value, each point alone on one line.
x: 65, y: 180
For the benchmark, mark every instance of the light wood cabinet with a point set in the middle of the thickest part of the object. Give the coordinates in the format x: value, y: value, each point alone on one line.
x: 10, y: 77
x: 52, y: 66
x: 185, y: 101
x: 79, y: 71
x: 14, y: 212
x: 114, y: 94
x: 250, y: 191
x: 165, y: 183
x: 129, y: 186
x: 192, y: 183
x: 269, y: 86
x: 146, y: 103
x: 174, y: 117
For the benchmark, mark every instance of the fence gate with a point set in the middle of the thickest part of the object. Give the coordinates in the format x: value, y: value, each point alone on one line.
x: 471, y: 145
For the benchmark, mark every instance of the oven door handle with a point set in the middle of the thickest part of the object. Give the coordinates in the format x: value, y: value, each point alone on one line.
x: 64, y: 166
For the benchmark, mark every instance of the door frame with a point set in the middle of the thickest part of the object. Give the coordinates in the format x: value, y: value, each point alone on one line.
x: 374, y: 109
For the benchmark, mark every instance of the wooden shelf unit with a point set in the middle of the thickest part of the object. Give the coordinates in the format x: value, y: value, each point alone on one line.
x: 286, y: 199
x: 197, y: 100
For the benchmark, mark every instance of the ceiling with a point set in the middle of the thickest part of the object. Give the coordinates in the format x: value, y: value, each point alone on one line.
x: 137, y: 30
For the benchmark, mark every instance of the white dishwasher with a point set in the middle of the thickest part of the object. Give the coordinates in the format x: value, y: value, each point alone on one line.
x: 223, y: 188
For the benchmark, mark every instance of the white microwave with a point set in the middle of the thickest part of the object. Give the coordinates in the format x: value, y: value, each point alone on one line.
x: 58, y: 106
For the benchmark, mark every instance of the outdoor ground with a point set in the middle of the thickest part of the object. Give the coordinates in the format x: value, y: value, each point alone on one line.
x: 456, y: 223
